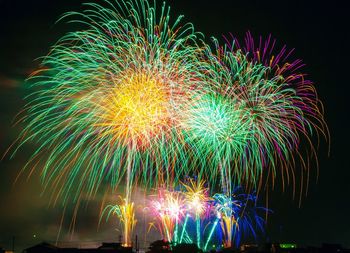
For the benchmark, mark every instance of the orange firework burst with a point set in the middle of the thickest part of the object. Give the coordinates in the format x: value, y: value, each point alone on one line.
x: 135, y: 110
x: 196, y: 195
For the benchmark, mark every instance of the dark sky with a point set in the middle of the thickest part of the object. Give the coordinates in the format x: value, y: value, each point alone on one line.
x: 318, y: 31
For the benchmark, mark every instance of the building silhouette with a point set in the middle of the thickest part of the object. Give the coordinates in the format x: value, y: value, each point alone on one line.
x: 104, y: 248
x: 161, y: 246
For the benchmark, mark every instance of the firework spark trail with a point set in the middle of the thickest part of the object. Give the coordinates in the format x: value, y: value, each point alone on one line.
x: 184, y: 227
x: 211, y: 233
x: 126, y: 215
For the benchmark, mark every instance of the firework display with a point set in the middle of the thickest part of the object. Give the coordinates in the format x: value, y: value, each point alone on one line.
x: 137, y: 99
x: 178, y: 221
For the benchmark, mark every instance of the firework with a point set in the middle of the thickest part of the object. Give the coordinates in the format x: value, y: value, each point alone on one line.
x: 251, y: 118
x: 239, y: 216
x: 196, y: 196
x: 226, y: 208
x: 106, y: 100
x: 292, y: 97
x: 169, y: 209
x: 126, y: 215
x: 213, y: 127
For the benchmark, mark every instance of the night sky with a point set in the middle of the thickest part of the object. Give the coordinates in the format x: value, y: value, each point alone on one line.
x: 318, y: 31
